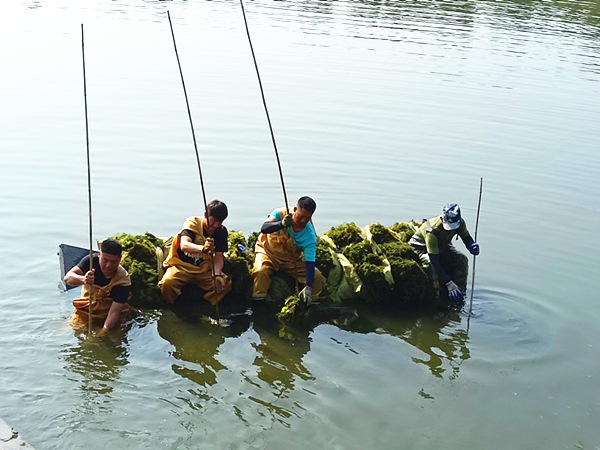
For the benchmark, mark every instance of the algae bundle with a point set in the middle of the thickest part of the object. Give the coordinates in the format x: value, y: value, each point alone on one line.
x: 344, y: 235
x: 405, y: 230
x: 238, y: 263
x: 142, y: 258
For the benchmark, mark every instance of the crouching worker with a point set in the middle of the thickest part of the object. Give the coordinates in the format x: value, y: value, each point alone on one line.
x: 196, y: 251
x: 110, y: 286
x: 282, y: 240
x: 433, y: 243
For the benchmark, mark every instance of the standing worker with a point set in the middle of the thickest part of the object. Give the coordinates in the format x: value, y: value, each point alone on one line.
x: 282, y: 240
x: 110, y: 286
x: 197, y: 250
x: 433, y: 243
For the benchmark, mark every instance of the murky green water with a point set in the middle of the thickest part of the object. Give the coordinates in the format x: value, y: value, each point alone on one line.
x: 382, y: 111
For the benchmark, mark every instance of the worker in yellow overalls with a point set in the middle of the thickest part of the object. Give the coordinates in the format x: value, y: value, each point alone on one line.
x: 197, y: 250
x: 288, y: 242
x: 110, y: 286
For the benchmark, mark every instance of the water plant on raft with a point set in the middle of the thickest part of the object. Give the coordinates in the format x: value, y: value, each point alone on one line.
x: 140, y: 259
x: 345, y: 234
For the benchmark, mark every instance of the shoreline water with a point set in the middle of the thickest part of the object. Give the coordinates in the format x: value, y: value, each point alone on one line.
x: 10, y: 438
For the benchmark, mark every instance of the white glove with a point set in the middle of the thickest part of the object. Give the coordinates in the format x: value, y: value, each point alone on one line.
x: 454, y: 292
x: 306, y: 295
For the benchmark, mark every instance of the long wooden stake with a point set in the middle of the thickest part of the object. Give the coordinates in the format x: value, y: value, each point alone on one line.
x: 212, y: 263
x: 262, y: 93
x: 89, y: 181
x: 474, y: 256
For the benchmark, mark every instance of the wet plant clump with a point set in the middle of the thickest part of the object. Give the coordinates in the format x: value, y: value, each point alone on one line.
x: 381, y: 234
x: 405, y: 230
x: 324, y: 261
x: 399, y: 250
x: 238, y: 264
x: 344, y: 235
x: 140, y: 259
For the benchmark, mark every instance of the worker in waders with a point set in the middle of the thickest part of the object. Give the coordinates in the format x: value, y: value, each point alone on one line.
x: 433, y: 243
x: 288, y: 242
x: 110, y: 286
x: 197, y: 250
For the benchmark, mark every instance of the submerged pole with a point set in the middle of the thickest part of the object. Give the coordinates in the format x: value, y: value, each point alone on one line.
x: 475, y: 256
x: 89, y: 182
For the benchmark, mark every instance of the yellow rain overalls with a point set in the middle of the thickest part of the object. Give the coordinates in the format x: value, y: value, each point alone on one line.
x: 101, y: 299
x: 278, y: 251
x: 179, y: 273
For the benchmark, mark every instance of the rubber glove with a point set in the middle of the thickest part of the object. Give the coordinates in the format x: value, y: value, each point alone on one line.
x: 287, y: 221
x: 306, y: 295
x: 454, y: 292
x: 209, y: 246
x: 474, y: 248
x: 220, y: 282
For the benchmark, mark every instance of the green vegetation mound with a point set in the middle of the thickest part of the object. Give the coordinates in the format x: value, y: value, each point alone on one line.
x: 344, y: 235
x: 144, y: 266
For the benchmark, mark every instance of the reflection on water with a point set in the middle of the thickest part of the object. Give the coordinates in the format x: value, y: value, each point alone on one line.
x: 277, y: 368
x: 276, y: 365
x: 440, y: 337
x: 97, y: 362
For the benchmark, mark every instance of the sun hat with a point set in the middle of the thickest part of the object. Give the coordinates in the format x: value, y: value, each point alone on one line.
x: 451, y: 216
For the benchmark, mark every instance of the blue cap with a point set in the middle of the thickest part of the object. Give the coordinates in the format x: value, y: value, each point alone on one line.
x: 451, y: 216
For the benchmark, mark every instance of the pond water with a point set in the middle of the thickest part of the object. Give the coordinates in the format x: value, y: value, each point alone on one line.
x: 383, y: 112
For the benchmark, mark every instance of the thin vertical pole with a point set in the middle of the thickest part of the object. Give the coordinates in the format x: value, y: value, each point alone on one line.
x: 262, y: 93
x: 89, y: 182
x: 475, y: 256
x: 212, y: 263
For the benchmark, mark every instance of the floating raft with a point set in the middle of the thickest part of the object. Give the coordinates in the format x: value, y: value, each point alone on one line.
x: 371, y: 265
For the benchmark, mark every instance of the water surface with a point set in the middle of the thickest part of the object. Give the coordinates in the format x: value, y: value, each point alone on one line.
x: 382, y: 111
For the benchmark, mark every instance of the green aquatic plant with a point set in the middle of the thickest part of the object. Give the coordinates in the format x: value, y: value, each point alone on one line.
x: 381, y: 234
x: 412, y: 286
x: 324, y: 261
x: 344, y: 235
x: 405, y: 230
x: 399, y: 250
x: 293, y: 310
x: 360, y: 253
x: 375, y: 287
x: 143, y: 262
x: 252, y: 240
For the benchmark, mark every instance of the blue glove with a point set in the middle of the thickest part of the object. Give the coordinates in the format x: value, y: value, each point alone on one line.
x: 454, y: 292
x: 474, y: 248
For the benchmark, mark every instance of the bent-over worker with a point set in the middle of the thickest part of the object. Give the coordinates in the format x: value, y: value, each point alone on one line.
x: 282, y: 241
x: 433, y: 243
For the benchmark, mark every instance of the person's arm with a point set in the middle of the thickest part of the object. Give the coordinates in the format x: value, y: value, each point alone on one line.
x: 272, y: 225
x: 436, y: 263
x: 76, y: 277
x: 471, y: 245
x: 114, y: 315
x: 218, y: 262
x: 187, y: 245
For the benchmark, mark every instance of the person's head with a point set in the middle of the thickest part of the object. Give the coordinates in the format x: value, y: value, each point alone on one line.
x: 110, y: 257
x: 451, y: 216
x: 217, y: 213
x: 304, y: 210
